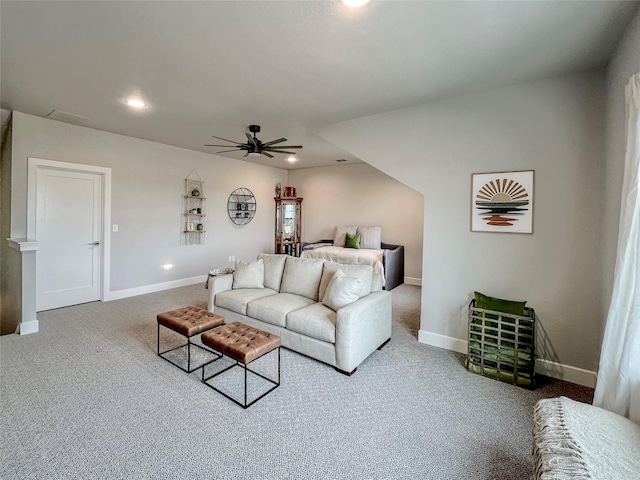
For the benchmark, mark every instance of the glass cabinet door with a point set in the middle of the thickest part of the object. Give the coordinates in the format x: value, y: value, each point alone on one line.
x: 288, y: 226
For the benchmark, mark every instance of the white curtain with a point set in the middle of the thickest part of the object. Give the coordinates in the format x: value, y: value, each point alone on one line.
x: 618, y: 386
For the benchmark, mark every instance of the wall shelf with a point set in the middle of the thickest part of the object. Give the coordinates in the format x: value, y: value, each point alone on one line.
x: 241, y: 206
x: 193, y: 210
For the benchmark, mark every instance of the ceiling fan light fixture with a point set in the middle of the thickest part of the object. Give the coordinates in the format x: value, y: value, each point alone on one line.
x: 253, y: 154
x: 136, y: 103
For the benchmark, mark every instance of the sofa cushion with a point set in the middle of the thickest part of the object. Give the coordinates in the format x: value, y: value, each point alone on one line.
x: 341, y: 291
x: 249, y: 275
x: 237, y: 300
x: 370, y: 237
x: 340, y: 236
x: 273, y: 269
x: 363, y: 272
x: 302, y: 277
x: 315, y: 321
x: 274, y: 309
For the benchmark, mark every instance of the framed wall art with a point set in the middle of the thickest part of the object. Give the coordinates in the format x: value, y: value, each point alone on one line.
x: 502, y: 202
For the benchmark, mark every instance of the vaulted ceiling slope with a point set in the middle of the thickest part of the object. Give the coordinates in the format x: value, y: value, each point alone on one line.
x: 213, y: 68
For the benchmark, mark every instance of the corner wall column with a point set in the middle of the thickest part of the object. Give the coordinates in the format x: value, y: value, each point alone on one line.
x: 20, y: 313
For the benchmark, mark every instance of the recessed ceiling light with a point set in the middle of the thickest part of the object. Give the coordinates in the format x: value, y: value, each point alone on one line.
x: 355, y: 3
x: 292, y: 158
x: 136, y: 103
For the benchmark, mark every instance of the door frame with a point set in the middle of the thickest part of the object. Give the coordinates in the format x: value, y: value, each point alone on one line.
x: 33, y: 166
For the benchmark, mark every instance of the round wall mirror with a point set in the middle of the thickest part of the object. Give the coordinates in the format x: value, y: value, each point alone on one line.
x: 241, y: 206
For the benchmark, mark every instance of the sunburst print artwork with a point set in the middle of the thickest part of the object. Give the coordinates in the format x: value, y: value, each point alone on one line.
x: 502, y: 202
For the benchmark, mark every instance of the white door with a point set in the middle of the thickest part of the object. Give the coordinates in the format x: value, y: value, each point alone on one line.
x: 68, y: 227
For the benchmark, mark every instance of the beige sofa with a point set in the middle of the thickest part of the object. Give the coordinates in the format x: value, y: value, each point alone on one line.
x: 336, y: 318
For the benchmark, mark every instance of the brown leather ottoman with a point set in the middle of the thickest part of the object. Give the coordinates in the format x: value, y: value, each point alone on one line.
x: 188, y: 321
x: 244, y: 344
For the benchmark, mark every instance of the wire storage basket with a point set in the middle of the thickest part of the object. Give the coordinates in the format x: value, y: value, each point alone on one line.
x: 502, y: 345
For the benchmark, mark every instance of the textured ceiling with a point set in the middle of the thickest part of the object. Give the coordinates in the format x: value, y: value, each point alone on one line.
x: 213, y: 68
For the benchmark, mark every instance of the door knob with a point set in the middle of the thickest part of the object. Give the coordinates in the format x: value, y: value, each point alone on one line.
x: 95, y: 243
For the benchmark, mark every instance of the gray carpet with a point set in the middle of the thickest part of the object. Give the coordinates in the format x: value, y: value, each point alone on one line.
x: 87, y: 397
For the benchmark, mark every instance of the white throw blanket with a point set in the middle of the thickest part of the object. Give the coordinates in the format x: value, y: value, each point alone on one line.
x: 577, y: 441
x: 349, y: 256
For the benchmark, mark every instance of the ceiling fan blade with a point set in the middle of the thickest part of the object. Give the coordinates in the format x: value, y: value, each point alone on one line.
x: 273, y: 142
x: 234, y: 150
x: 266, y: 154
x: 286, y: 146
x: 252, y: 140
x: 246, y: 154
x: 226, y: 140
x: 211, y: 145
x: 281, y: 151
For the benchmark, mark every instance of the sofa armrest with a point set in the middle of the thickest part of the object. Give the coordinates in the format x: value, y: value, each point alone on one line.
x: 393, y: 265
x: 217, y: 284
x: 361, y: 327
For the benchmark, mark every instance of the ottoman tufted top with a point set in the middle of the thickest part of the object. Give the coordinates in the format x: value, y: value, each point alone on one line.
x: 190, y: 321
x: 241, y: 342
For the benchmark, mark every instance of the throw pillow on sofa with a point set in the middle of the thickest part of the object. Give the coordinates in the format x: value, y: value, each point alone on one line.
x: 342, y: 291
x: 249, y: 275
x: 370, y: 237
x: 353, y: 241
x: 363, y: 272
x: 339, y: 238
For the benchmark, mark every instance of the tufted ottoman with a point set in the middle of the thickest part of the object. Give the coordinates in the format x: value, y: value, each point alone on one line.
x: 244, y: 344
x: 188, y: 321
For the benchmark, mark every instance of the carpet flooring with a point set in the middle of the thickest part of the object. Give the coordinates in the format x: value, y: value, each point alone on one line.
x: 87, y: 397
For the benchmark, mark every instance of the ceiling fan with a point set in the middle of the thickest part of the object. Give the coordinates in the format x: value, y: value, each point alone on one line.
x: 255, y: 147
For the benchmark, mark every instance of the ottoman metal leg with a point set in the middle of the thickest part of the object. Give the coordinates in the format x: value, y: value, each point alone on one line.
x: 246, y: 369
x: 189, y: 344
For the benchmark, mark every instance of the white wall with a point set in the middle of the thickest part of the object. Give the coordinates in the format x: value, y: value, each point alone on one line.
x: 553, y: 126
x: 625, y: 62
x: 147, y: 189
x: 359, y: 194
x: 10, y: 286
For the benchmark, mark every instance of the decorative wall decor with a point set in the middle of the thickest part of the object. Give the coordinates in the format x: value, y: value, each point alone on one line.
x: 241, y: 206
x: 193, y: 209
x: 502, y: 202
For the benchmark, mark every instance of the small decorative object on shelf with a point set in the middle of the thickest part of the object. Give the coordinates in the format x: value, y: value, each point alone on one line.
x: 241, y: 206
x: 193, y: 208
x: 289, y: 192
x: 278, y: 189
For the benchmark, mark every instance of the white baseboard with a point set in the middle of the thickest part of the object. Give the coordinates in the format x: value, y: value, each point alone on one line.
x: 548, y: 368
x: 31, y: 326
x: 442, y: 341
x: 576, y: 375
x: 413, y: 281
x: 156, y: 287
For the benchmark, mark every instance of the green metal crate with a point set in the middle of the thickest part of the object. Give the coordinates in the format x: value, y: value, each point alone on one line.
x: 502, y: 345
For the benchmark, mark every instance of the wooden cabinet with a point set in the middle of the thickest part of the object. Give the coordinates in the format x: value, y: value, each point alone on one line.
x: 288, y: 225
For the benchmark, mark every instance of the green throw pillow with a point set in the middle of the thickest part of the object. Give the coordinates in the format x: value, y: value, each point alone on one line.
x: 353, y: 241
x: 499, y: 305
